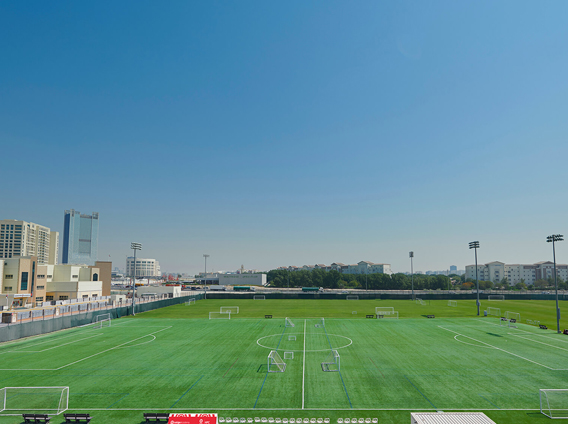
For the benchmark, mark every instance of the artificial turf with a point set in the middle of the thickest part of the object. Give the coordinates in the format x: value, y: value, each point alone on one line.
x: 176, y: 359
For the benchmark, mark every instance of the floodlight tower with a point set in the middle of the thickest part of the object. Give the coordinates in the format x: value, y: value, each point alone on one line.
x: 135, y: 247
x: 475, y: 245
x: 411, y: 256
x: 552, y: 239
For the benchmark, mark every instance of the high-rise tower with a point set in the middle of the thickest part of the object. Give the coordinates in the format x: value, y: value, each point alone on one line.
x: 80, y: 238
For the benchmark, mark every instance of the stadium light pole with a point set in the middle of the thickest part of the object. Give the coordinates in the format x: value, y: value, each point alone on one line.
x: 552, y: 239
x: 205, y: 275
x: 135, y: 247
x: 475, y: 245
x: 411, y: 256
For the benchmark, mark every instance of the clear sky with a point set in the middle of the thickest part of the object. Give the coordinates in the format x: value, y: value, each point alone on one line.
x: 270, y: 133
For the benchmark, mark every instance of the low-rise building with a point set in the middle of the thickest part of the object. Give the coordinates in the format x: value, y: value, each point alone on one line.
x: 363, y: 267
x: 144, y: 267
x: 516, y: 273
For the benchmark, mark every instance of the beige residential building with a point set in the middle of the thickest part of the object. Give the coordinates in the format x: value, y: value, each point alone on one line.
x: 25, y: 282
x: 144, y: 267
x: 516, y: 273
x: 21, y: 238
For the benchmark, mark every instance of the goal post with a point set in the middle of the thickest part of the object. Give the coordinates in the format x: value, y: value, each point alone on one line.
x: 496, y: 312
x: 220, y: 315
x: 496, y: 297
x: 259, y: 297
x: 190, y: 302
x: 321, y: 323
x: 384, y: 309
x: 102, y: 320
x: 513, y: 315
x: 352, y: 297
x: 275, y: 362
x: 227, y: 309
x: 452, y: 303
x: 387, y: 314
x: 554, y: 403
x: 332, y: 363
x: 52, y: 400
x: 420, y: 301
x: 288, y: 323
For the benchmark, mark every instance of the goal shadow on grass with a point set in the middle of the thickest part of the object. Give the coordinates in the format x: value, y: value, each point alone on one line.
x: 262, y: 368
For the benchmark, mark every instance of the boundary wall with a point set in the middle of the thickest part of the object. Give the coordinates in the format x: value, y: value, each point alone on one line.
x: 33, y: 328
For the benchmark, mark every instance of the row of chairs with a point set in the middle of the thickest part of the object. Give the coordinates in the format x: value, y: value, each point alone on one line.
x: 298, y: 420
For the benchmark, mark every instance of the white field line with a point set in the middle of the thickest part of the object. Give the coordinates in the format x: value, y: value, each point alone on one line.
x: 83, y: 359
x: 502, y: 350
x: 139, y: 344
x: 306, y: 409
x: 304, y: 365
x: 471, y: 344
x: 55, y: 347
x: 33, y: 338
x: 536, y: 341
x: 532, y: 334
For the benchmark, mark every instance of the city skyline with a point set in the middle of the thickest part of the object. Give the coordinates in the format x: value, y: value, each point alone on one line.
x: 268, y: 134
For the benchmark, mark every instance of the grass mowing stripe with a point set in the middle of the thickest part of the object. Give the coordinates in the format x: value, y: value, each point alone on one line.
x: 340, y: 375
x: 377, y: 367
x: 420, y: 392
x: 266, y: 376
x: 185, y: 392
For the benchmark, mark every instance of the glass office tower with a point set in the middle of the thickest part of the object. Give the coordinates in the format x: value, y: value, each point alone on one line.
x: 80, y: 238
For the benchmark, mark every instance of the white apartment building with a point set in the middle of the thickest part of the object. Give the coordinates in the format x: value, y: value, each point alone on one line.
x: 514, y: 273
x: 363, y: 267
x: 144, y: 267
x: 21, y: 238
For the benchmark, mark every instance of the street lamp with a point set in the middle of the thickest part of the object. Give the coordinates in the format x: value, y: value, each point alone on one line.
x: 135, y: 247
x: 552, y: 239
x: 475, y: 245
x: 411, y: 256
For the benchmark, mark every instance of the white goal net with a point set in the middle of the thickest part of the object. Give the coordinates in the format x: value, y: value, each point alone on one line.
x: 320, y: 324
x: 190, y: 302
x: 352, y: 297
x: 452, y: 303
x: 384, y: 310
x: 387, y: 314
x: 554, y: 403
x: 34, y: 400
x: 332, y: 362
x: 496, y: 297
x: 275, y: 362
x: 220, y: 315
x: 229, y: 309
x: 288, y: 322
x: 259, y: 297
x: 513, y: 315
x: 420, y: 301
x: 495, y: 312
x: 102, y: 320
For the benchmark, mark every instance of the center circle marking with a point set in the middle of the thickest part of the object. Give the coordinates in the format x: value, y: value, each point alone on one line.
x: 302, y: 350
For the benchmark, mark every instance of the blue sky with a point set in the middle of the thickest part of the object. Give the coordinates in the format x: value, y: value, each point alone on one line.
x: 298, y: 132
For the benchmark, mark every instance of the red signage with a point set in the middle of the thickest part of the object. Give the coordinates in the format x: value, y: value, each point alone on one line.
x: 192, y: 419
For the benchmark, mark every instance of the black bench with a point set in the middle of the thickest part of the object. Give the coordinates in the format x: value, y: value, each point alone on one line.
x: 372, y: 316
x: 268, y: 316
x: 36, y: 418
x: 77, y: 418
x: 503, y: 319
x: 565, y: 331
x: 512, y: 320
x: 430, y: 316
x: 156, y: 417
x: 543, y: 327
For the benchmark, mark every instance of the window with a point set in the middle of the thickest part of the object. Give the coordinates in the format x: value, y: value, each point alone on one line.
x: 41, y: 276
x: 50, y: 276
x: 9, y: 277
x: 8, y: 289
x: 39, y: 299
x: 74, y: 276
x: 49, y: 298
x: 40, y: 287
x: 63, y: 297
x: 24, y: 285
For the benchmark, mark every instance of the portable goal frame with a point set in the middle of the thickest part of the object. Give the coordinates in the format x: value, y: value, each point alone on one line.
x: 288, y: 322
x: 102, y: 320
x: 274, y: 359
x: 190, y: 302
x: 452, y: 303
x: 332, y: 362
x: 559, y: 399
x: 219, y: 315
x: 229, y: 309
x: 496, y: 312
x: 50, y: 400
x: 259, y: 297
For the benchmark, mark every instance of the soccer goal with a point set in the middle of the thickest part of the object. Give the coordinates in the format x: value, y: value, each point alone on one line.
x: 102, y: 320
x: 34, y: 400
x: 496, y: 297
x: 513, y: 315
x: 494, y: 312
x: 288, y: 322
x: 420, y: 301
x: 352, y: 297
x: 190, y: 302
x: 288, y: 355
x: 554, y: 403
x: 259, y: 297
x: 387, y: 314
x: 332, y: 362
x: 320, y: 324
x: 452, y: 303
x: 220, y: 315
x: 275, y: 362
x: 384, y: 309
x: 231, y: 309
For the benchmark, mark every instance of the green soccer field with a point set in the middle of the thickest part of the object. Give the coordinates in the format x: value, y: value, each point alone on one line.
x: 176, y: 359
